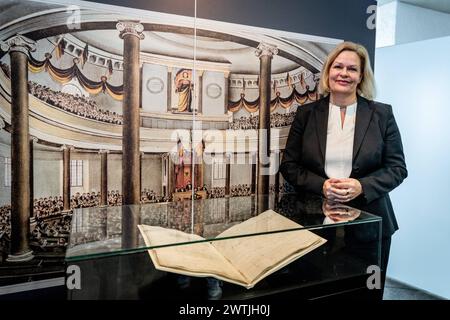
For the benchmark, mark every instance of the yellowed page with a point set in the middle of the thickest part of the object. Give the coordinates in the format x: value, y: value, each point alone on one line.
x: 258, y: 256
x: 197, y: 259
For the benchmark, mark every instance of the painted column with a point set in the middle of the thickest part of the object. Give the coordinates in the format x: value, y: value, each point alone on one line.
x: 131, y: 33
x: 265, y: 53
x: 227, y: 175
x: 200, y: 92
x: 104, y: 177
x: 169, y: 89
x: 33, y: 140
x: 225, y: 92
x: 66, y: 176
x: 19, y: 48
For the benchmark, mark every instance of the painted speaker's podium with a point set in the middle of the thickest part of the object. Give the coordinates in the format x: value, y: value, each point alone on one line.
x: 115, y: 261
x: 187, y: 195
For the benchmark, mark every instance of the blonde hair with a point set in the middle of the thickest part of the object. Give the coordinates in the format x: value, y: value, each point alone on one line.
x: 366, y: 87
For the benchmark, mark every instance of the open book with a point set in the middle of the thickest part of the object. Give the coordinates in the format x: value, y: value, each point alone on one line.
x: 243, y: 261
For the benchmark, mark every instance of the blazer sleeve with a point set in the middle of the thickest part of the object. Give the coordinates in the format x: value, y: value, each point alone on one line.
x: 393, y: 171
x: 291, y: 165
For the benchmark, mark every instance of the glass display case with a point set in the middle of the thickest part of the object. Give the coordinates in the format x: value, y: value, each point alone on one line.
x: 113, y: 255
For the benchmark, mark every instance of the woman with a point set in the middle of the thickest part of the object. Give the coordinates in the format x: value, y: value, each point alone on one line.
x: 346, y: 146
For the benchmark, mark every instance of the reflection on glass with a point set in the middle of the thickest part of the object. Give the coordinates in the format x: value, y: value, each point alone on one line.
x: 337, y: 212
x: 115, y: 229
x: 131, y: 216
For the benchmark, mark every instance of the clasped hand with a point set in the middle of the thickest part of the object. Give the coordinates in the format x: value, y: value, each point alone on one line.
x: 341, y: 190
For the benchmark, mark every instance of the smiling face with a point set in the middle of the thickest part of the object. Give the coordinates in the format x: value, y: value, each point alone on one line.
x: 345, y: 74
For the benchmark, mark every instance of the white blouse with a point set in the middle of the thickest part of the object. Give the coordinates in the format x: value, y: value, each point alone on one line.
x: 339, y: 149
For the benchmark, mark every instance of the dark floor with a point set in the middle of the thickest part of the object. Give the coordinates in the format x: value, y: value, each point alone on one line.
x: 396, y: 290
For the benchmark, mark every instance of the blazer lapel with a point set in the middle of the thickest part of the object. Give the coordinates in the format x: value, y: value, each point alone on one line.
x: 321, y: 115
x: 363, y: 115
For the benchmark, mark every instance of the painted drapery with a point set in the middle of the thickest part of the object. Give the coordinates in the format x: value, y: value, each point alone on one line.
x: 278, y: 101
x: 66, y: 75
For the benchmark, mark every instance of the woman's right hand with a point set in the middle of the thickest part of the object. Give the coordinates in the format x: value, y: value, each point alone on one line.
x: 328, y: 190
x: 341, y: 190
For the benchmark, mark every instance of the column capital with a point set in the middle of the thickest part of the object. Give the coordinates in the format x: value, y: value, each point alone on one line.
x: 2, y: 123
x: 18, y: 43
x: 67, y: 147
x: 265, y: 49
x: 316, y: 77
x: 133, y: 28
x: 33, y: 139
x: 227, y: 156
x: 103, y: 151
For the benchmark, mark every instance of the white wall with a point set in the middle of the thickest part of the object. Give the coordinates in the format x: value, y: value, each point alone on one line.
x: 415, y: 79
x: 386, y: 22
x: 416, y: 23
x: 400, y: 23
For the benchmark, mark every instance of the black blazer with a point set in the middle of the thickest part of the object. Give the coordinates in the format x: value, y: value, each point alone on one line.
x: 378, y: 160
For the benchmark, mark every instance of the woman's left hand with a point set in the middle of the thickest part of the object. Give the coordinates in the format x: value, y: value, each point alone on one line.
x: 346, y: 189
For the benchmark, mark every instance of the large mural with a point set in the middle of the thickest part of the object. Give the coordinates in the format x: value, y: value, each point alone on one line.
x: 191, y: 89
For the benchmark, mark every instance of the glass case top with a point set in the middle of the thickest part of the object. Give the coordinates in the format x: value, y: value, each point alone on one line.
x: 106, y: 231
